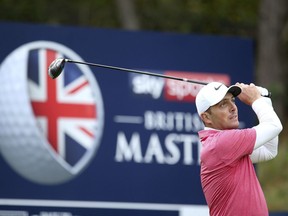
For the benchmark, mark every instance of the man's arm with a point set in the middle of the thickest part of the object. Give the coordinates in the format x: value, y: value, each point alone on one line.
x: 269, y: 126
x: 265, y: 152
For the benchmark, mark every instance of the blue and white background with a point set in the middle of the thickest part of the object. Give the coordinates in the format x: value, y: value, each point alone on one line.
x: 103, y: 142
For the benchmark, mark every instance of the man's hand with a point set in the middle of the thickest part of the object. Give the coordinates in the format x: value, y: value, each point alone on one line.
x: 249, y: 93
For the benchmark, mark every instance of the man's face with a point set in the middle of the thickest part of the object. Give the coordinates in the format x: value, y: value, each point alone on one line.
x: 223, y: 115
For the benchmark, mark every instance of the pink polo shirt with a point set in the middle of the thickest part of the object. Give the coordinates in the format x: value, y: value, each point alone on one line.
x: 228, y: 178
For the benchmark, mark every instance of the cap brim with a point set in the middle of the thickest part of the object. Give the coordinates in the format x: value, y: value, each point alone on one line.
x: 234, y: 90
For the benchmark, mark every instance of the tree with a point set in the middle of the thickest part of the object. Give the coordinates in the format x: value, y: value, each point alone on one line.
x: 271, y: 71
x: 271, y: 58
x: 127, y: 14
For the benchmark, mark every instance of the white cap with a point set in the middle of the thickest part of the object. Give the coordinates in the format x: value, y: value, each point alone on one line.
x: 212, y: 94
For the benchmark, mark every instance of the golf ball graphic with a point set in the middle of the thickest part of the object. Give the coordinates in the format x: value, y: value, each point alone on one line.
x: 50, y: 130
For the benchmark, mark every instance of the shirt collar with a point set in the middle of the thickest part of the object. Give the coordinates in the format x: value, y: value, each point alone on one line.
x: 208, y: 128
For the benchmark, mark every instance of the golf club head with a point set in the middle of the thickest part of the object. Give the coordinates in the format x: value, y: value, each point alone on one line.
x: 56, y: 68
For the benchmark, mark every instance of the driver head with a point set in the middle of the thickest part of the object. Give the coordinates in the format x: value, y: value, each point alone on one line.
x: 56, y: 68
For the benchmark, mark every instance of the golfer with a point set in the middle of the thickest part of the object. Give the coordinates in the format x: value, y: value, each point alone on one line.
x: 228, y: 178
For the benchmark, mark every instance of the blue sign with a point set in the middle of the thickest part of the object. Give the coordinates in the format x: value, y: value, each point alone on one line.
x: 100, y: 141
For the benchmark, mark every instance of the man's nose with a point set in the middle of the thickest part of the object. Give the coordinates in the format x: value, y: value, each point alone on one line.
x: 233, y: 107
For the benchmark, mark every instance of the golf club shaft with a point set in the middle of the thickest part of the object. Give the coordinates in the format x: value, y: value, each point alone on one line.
x: 137, y: 71
x: 57, y: 66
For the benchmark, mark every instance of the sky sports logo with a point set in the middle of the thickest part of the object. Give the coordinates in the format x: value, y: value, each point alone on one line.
x: 173, y: 90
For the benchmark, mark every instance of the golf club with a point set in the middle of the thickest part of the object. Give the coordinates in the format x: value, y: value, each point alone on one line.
x: 57, y: 66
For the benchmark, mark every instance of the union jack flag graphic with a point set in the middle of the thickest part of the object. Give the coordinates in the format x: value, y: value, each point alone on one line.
x: 65, y: 108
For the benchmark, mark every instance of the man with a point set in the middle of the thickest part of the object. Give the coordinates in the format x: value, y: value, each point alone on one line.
x: 228, y: 178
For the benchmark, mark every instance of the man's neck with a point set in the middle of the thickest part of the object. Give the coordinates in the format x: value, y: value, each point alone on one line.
x: 209, y: 128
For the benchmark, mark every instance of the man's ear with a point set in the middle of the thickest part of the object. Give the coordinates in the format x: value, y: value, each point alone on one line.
x: 206, y: 118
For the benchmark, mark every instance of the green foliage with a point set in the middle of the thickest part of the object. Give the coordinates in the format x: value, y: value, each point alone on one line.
x: 211, y: 17
x: 98, y: 13
x: 273, y: 177
x: 185, y: 16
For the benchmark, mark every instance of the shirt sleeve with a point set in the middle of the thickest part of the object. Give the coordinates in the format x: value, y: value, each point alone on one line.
x: 266, y: 152
x: 269, y: 124
x: 235, y: 144
x: 266, y: 144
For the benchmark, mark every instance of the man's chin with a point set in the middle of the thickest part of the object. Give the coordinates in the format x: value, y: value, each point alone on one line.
x: 234, y: 125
